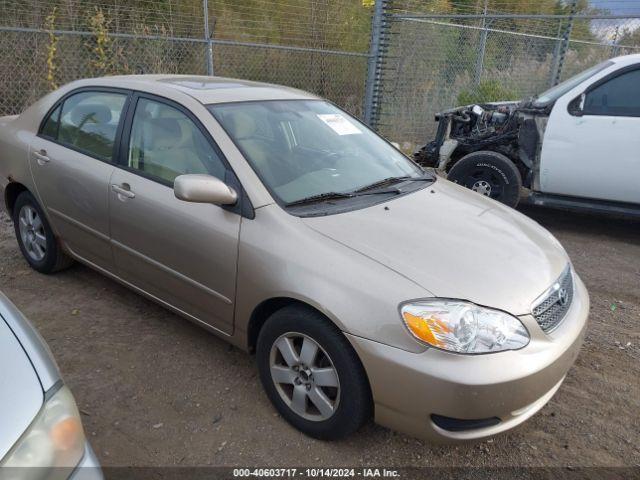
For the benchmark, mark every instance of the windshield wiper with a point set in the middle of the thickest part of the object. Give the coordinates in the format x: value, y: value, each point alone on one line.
x: 391, y: 181
x: 338, y: 196
x: 320, y: 197
x: 361, y: 191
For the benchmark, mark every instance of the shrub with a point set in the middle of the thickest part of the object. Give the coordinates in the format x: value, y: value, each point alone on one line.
x: 486, y: 91
x: 52, y: 48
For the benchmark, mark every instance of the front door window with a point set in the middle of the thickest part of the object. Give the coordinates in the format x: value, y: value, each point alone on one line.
x: 166, y: 143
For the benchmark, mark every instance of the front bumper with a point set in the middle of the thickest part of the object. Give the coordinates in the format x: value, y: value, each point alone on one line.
x: 409, y: 387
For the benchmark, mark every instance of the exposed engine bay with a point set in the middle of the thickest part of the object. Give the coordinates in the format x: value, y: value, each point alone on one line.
x: 514, y: 129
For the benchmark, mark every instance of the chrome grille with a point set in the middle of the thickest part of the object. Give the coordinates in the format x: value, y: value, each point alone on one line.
x: 551, y: 307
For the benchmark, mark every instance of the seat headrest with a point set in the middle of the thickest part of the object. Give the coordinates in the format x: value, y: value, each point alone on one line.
x: 242, y: 125
x: 163, y: 133
x: 91, y: 113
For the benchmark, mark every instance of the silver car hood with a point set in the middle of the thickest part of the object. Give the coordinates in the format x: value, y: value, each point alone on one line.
x: 454, y: 243
x: 21, y: 394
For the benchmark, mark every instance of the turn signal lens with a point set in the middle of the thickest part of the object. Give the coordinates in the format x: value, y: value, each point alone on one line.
x: 66, y: 434
x: 429, y: 329
x: 463, y: 327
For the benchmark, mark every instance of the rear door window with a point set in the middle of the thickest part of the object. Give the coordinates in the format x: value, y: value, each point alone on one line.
x: 87, y: 122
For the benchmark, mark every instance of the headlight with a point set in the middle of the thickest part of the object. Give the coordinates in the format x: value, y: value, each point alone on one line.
x: 53, y: 440
x: 463, y: 327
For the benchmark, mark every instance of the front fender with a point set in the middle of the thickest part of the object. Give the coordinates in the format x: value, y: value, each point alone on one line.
x: 280, y: 257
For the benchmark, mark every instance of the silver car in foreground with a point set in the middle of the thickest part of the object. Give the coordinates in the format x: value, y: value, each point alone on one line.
x: 41, y: 434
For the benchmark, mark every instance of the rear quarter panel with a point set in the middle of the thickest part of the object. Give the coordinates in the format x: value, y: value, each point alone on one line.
x: 16, y: 134
x: 12, y: 158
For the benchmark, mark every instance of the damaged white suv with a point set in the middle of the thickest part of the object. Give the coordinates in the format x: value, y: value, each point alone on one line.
x: 575, y: 146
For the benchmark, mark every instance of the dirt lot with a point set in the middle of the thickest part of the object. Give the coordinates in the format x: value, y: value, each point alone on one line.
x: 154, y: 389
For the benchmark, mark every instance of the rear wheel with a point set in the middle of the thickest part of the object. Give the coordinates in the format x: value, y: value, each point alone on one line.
x: 36, y: 240
x: 311, y: 374
x: 490, y: 174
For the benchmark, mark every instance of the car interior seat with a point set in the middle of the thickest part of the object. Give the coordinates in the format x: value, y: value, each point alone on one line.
x: 165, y: 147
x: 244, y: 130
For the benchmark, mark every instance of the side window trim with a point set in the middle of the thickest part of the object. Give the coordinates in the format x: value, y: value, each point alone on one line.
x: 57, y: 107
x: 50, y: 112
x: 604, y: 80
x: 60, y: 103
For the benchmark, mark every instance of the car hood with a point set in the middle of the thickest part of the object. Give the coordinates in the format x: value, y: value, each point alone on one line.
x: 21, y: 394
x: 454, y: 243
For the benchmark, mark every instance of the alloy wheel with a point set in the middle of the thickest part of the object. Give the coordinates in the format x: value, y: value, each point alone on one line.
x: 305, y: 376
x: 32, y: 233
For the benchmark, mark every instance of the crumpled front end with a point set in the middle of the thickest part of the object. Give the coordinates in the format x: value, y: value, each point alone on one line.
x: 514, y: 129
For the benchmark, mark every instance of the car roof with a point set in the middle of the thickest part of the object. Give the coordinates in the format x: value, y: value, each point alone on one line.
x: 205, y: 89
x: 627, y: 59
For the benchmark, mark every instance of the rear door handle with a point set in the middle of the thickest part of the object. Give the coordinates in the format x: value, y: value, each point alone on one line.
x: 41, y: 156
x: 123, y: 190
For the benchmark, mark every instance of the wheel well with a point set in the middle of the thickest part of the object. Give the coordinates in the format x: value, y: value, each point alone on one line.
x: 267, y: 308
x: 262, y: 312
x: 455, y: 158
x: 11, y: 192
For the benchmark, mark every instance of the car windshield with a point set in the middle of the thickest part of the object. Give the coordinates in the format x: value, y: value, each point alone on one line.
x: 310, y: 148
x: 556, y: 92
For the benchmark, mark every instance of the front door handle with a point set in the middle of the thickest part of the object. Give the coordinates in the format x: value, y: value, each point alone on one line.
x: 41, y: 156
x: 123, y: 190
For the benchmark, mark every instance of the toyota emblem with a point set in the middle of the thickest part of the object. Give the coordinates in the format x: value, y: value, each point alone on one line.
x: 563, y: 296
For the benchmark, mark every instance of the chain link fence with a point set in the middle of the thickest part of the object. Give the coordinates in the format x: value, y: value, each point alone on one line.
x: 433, y: 62
x: 45, y: 44
x: 24, y: 75
x: 394, y: 63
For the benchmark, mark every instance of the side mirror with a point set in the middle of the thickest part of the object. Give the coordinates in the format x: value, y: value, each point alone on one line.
x: 576, y: 106
x: 204, y: 189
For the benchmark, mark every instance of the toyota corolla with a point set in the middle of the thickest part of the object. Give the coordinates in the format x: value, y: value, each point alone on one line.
x: 365, y: 285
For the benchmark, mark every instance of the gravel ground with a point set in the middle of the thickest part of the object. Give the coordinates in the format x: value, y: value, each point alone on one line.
x: 153, y: 389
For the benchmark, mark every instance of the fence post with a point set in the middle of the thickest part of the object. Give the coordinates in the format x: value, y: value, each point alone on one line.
x: 207, y: 36
x: 482, y: 47
x: 374, y: 67
x: 615, y: 50
x: 564, y: 45
x: 556, y: 55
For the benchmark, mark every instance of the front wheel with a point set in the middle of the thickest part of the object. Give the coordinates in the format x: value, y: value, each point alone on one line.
x: 311, y: 374
x: 489, y: 173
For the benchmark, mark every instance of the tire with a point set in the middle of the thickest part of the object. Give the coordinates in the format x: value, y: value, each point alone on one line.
x: 490, y: 174
x: 38, y: 244
x: 294, y: 326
